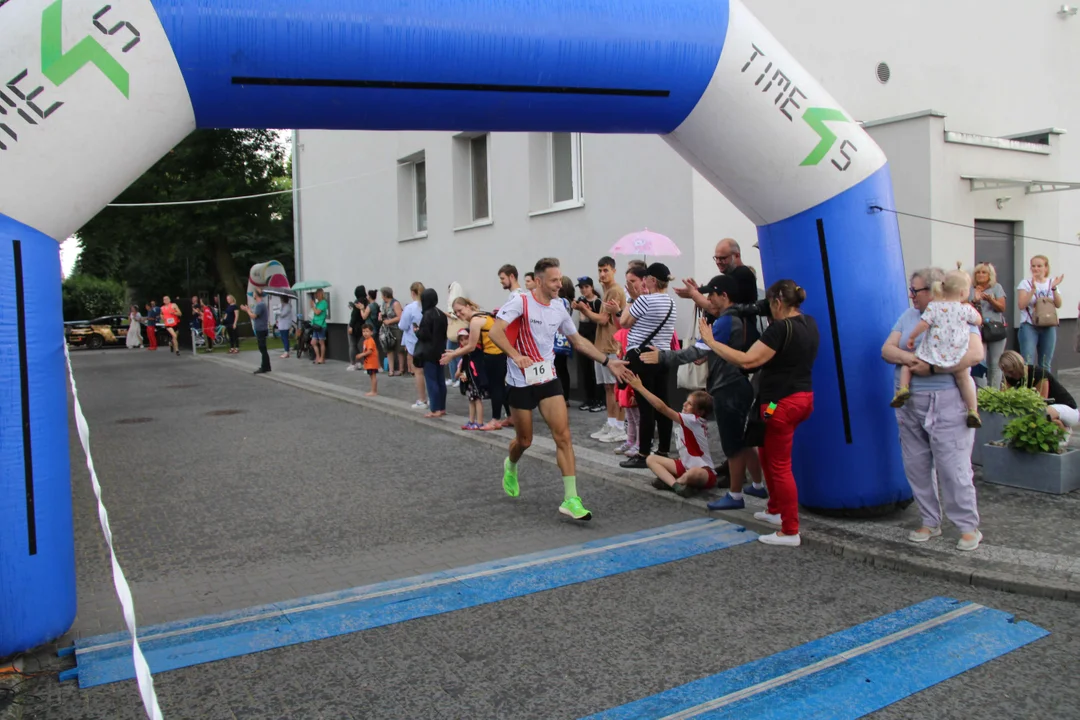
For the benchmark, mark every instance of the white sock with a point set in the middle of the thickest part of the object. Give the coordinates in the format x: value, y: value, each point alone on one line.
x: 735, y: 495
x: 758, y: 486
x: 613, y: 422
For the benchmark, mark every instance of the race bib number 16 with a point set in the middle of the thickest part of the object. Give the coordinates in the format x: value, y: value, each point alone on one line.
x: 539, y: 373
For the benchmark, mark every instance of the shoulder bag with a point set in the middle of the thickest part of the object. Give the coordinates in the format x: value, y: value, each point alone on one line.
x: 754, y: 435
x: 694, y: 376
x: 633, y: 353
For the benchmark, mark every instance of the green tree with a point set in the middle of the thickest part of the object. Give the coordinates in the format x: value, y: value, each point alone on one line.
x: 87, y: 297
x: 203, y: 248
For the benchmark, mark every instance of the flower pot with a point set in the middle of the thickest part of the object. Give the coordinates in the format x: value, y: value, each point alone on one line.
x: 1044, y: 472
x: 992, y: 430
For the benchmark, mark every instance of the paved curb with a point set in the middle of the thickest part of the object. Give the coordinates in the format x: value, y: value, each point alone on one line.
x: 872, y: 551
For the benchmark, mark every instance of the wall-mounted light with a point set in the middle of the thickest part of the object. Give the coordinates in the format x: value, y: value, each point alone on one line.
x: 1001, y: 202
x: 1067, y: 11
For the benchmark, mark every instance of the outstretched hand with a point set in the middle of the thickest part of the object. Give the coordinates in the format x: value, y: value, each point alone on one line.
x: 705, y: 329
x: 632, y: 380
x: 446, y: 358
x: 650, y: 356
x: 619, y: 368
x: 688, y: 288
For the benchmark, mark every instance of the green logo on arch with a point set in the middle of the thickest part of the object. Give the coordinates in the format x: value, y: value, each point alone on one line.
x: 816, y: 119
x: 58, y: 65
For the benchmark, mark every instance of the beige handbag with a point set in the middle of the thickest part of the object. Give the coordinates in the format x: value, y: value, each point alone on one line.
x: 693, y: 376
x: 1044, y: 314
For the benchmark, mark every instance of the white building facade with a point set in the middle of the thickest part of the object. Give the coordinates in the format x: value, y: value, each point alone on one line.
x: 970, y: 102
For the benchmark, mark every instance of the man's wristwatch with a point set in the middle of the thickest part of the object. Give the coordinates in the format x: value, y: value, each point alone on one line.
x: 604, y: 364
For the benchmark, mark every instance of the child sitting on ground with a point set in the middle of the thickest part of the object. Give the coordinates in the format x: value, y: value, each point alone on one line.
x: 946, y: 323
x: 470, y: 384
x: 693, y: 470
x: 370, y: 357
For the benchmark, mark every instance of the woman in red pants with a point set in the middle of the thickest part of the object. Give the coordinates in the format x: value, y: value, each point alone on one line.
x: 785, y: 355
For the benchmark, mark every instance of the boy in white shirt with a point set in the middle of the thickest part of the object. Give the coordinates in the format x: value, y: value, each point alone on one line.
x: 693, y: 471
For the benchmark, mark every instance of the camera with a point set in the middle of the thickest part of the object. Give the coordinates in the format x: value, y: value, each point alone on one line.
x: 757, y: 309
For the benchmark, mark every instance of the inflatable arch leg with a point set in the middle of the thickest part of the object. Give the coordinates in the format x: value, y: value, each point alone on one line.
x: 100, y: 90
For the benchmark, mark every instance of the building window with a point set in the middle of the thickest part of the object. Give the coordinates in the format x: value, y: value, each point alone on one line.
x: 565, y: 168
x: 555, y: 176
x: 478, y: 155
x: 412, y: 197
x: 472, y: 189
x: 420, y: 196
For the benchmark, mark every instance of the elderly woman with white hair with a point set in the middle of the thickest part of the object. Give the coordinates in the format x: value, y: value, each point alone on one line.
x: 988, y: 297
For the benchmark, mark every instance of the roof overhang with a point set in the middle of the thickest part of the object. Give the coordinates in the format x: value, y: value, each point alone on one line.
x: 1031, y: 187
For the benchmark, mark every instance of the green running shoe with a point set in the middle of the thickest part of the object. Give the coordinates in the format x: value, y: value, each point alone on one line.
x: 510, y: 483
x: 572, y: 507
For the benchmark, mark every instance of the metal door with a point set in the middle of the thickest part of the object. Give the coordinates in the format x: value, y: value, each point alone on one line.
x: 995, y: 243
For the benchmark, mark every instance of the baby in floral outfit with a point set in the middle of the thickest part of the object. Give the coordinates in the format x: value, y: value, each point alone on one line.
x: 947, y: 323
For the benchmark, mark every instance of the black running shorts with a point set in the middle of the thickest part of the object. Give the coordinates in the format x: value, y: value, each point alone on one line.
x: 529, y: 397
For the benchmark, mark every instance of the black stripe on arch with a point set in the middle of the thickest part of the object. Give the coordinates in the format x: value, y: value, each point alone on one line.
x: 454, y: 87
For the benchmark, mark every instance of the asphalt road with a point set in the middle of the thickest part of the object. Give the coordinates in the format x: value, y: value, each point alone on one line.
x: 298, y: 494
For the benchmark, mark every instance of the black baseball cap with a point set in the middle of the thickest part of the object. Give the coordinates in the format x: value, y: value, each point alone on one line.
x: 721, y: 285
x: 585, y: 280
x: 660, y: 271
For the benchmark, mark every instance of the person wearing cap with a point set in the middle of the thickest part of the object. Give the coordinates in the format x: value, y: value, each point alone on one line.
x: 607, y: 324
x: 588, y: 301
x: 651, y: 320
x: 729, y: 386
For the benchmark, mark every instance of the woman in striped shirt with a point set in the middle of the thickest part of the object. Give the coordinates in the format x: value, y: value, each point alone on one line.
x: 651, y: 319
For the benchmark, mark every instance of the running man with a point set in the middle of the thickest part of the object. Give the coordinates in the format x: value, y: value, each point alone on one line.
x: 525, y: 330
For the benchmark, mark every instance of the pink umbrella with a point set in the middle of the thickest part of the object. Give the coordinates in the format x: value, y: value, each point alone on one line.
x: 645, y: 242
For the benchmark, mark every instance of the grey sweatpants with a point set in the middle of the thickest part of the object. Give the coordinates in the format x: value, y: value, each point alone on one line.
x: 934, y: 437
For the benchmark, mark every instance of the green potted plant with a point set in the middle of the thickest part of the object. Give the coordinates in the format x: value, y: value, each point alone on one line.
x: 1033, y: 456
x: 998, y: 408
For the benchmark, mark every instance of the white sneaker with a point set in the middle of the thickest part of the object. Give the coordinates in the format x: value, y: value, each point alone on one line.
x: 972, y: 544
x: 916, y: 536
x: 768, y: 517
x: 614, y: 435
x: 621, y: 450
x: 599, y: 434
x: 777, y: 539
x: 350, y: 368
x: 418, y: 404
x: 456, y: 383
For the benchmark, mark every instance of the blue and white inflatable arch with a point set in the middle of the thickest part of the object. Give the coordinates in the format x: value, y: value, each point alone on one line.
x: 95, y: 91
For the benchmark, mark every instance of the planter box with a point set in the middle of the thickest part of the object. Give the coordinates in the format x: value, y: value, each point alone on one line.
x: 993, y: 429
x: 1044, y: 472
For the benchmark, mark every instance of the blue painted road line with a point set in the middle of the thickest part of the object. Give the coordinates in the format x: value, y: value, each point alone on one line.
x: 848, y: 674
x: 107, y: 658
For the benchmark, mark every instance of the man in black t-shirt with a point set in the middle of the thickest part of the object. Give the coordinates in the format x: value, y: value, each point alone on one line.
x: 586, y: 370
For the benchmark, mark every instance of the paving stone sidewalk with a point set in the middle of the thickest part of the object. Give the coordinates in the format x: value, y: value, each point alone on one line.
x: 1032, y: 543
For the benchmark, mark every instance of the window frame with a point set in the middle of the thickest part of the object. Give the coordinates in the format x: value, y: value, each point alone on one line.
x: 577, y: 198
x: 474, y: 220
x: 417, y: 230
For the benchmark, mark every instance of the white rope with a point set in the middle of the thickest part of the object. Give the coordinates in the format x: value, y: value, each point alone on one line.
x: 251, y: 197
x: 123, y: 590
